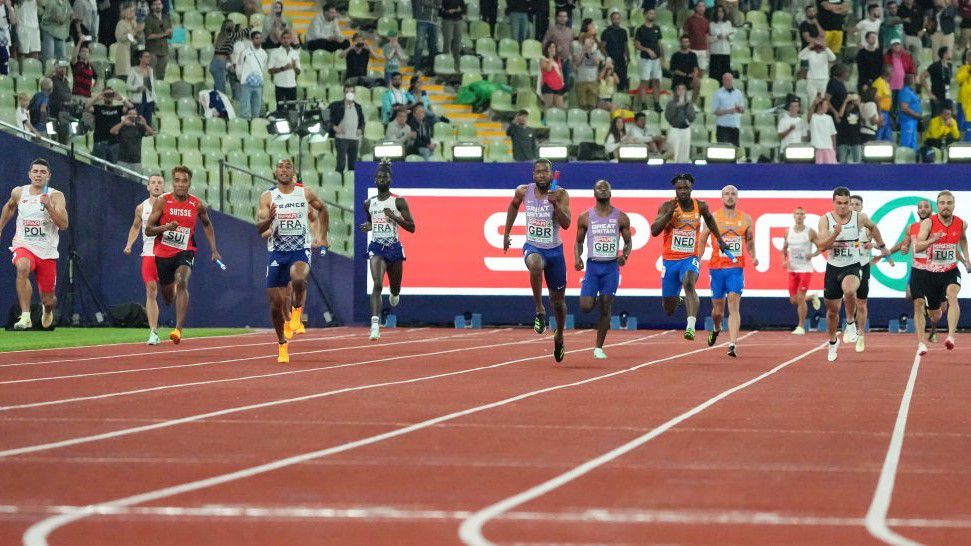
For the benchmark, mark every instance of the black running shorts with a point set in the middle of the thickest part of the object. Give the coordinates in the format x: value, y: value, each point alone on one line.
x: 168, y: 266
x: 935, y: 286
x: 833, y: 285
x: 864, y: 290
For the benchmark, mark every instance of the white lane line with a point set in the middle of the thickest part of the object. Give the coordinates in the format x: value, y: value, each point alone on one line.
x: 198, y: 417
x: 164, y: 351
x: 258, y: 331
x: 876, y: 515
x: 243, y: 378
x: 470, y: 532
x: 37, y: 534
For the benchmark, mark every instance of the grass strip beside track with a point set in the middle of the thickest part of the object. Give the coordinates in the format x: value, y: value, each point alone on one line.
x: 83, y: 337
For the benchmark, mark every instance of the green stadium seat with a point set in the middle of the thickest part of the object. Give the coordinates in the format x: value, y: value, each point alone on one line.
x: 193, y: 20
x: 555, y: 116
x: 508, y: 48
x: 532, y: 50
x: 186, y: 142
x: 516, y: 66
x: 501, y: 103
x: 582, y: 133
x: 409, y: 28
x: 560, y: 133
x: 192, y: 125
x: 576, y: 117
x: 485, y: 47
x: 759, y: 37
x: 492, y: 65
x: 214, y: 20
x: 756, y: 19
x: 359, y: 11
x: 445, y: 65
x: 387, y: 25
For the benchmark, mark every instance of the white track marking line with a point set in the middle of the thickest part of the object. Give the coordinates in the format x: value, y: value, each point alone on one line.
x: 876, y: 515
x: 198, y: 417
x: 470, y: 531
x: 37, y: 534
x: 249, y: 377
x: 259, y: 331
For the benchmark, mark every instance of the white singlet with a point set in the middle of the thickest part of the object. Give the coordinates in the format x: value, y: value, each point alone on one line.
x: 35, y: 230
x: 846, y: 247
x: 800, y: 248
x: 148, y: 243
x: 291, y: 226
x: 383, y: 230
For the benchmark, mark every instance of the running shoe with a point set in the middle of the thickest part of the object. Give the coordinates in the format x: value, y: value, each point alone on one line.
x: 949, y: 343
x: 287, y: 331
x: 849, y: 333
x: 689, y: 334
x: 24, y: 323
x: 176, y: 336
x: 375, y: 331
x: 153, y: 339
x: 559, y: 352
x: 296, y: 322
x: 301, y: 329
x: 599, y: 353
x: 921, y: 349
x: 539, y: 323
x: 283, y: 355
x: 833, y: 348
x: 731, y: 350
x: 933, y: 337
x: 799, y: 331
x: 816, y: 302
x: 394, y: 299
x: 860, y: 344
x: 712, y: 337
x: 47, y: 319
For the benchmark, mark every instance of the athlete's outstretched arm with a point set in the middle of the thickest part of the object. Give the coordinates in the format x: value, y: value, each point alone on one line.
x: 208, y: 230
x: 624, y: 223
x: 664, y: 214
x: 582, y: 223
x: 865, y: 221
x: 136, y: 227
x: 750, y: 240
x: 405, y: 220
x: 323, y: 217
x: 924, y: 238
x: 266, y: 214
x: 711, y: 223
x: 561, y: 208
x: 9, y: 208
x: 703, y: 234
x: 511, y: 213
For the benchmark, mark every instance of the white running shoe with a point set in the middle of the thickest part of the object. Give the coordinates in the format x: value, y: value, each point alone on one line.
x: 394, y: 299
x: 153, y: 339
x: 833, y: 348
x: 860, y: 345
x: 849, y: 333
x: 24, y: 323
x: 816, y: 303
x: 799, y: 331
x: 375, y: 331
x: 921, y: 349
x: 47, y: 319
x: 599, y: 353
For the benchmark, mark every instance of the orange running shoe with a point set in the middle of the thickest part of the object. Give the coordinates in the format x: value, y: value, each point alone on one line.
x: 296, y: 324
x: 283, y: 355
x: 287, y: 331
x: 176, y: 336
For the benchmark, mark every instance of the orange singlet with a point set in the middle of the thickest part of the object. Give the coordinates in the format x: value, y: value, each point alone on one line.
x: 733, y: 233
x: 680, y: 236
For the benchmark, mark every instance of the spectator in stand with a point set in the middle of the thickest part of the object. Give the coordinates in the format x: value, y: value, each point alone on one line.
x: 872, y: 23
x: 684, y: 69
x: 541, y: 19
x: 822, y: 132
x: 518, y: 13
x: 939, y: 73
x: 810, y: 31
x: 325, y: 33
x: 551, y: 68
x: 616, y: 136
x: 393, y: 97
x: 39, y: 106
x: 871, y: 119
x: 943, y: 21
x: 649, y: 135
x: 107, y: 107
x: 141, y: 13
x: 86, y: 20
x: 426, y: 17
x: 109, y: 13
x: 697, y: 27
x: 680, y: 114
x: 358, y: 56
x: 347, y: 126
x: 55, y: 28
x: 869, y: 62
x: 728, y: 105
x: 893, y: 26
x: 28, y: 29
x: 60, y: 95
x: 394, y: 56
x: 587, y: 61
x: 423, y: 144
x: 615, y: 40
x: 420, y: 96
x: 911, y: 113
x: 848, y: 149
x: 82, y: 71
x: 607, y: 86
x: 912, y: 16
x: 284, y: 66
x: 126, y: 37
x: 523, y: 138
x: 23, y: 114
x: 836, y: 91
x: 398, y: 130
x: 647, y: 40
x: 832, y: 17
x: 251, y: 67
x: 963, y: 79
x: 720, y: 34
x: 792, y: 127
x: 274, y: 25
x: 141, y: 86
x: 964, y: 9
x: 568, y: 6
x: 561, y: 35
x: 489, y: 11
x: 901, y: 64
x: 885, y: 99
x: 158, y: 30
x: 941, y: 131
x: 218, y: 66
x: 7, y: 18
x: 453, y: 22
x: 129, y: 132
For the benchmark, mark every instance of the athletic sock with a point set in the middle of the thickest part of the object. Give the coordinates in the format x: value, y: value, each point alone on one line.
x: 691, y: 323
x: 25, y: 315
x: 375, y: 319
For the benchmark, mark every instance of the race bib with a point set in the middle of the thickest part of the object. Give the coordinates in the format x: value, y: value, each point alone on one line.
x: 944, y: 253
x: 34, y: 231
x: 734, y: 245
x: 683, y: 240
x: 604, y: 246
x: 381, y: 228
x: 844, y: 249
x: 290, y: 224
x: 539, y: 230
x: 178, y: 238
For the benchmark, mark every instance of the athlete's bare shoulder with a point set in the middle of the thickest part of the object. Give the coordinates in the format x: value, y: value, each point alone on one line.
x: 16, y: 193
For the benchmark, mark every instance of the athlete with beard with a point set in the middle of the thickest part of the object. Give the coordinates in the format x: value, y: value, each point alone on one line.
x: 915, y: 280
x: 156, y: 187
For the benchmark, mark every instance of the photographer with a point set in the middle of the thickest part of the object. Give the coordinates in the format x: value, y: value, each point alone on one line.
x: 357, y: 55
x: 129, y: 132
x: 587, y: 61
x: 107, y: 113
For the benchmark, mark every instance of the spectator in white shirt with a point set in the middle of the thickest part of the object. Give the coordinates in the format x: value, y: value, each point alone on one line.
x: 720, y: 34
x: 141, y: 86
x: 324, y: 32
x: 398, y: 130
x: 822, y: 132
x: 819, y: 56
x: 284, y: 66
x: 641, y: 133
x: 792, y: 127
x: 872, y: 22
x: 615, y: 137
x: 23, y: 115
x: 251, y: 66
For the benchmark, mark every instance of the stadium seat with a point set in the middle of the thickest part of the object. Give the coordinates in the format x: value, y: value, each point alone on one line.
x: 532, y: 50
x: 445, y: 65
x: 485, y: 47
x: 508, y: 48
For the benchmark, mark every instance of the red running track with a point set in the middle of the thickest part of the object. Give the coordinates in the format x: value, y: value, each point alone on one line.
x: 448, y: 437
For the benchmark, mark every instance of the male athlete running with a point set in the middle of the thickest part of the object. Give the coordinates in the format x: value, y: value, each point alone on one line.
x: 839, y: 233
x: 944, y: 237
x: 797, y: 252
x: 385, y: 213
x: 156, y: 187
x: 680, y: 220
x: 599, y: 230
x: 727, y: 274
x: 285, y: 213
x: 174, y: 218
x: 866, y: 257
x: 915, y: 280
x: 41, y: 212
x: 547, y: 212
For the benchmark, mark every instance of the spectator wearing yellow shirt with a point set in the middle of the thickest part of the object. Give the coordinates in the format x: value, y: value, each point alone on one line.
x: 884, y: 98
x: 941, y: 131
x: 963, y: 79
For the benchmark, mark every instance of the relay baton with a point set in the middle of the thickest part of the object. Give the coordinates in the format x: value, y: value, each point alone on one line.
x: 221, y: 265
x: 556, y: 178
